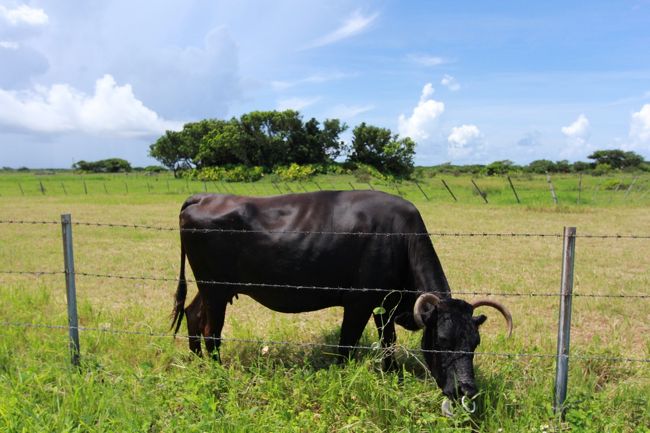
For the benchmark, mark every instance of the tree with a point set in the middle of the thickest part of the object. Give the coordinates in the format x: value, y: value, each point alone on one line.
x: 498, y: 167
x: 542, y: 166
x: 111, y: 165
x: 381, y: 149
x: 616, y: 158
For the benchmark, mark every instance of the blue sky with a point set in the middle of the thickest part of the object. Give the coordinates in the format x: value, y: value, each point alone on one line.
x: 470, y: 82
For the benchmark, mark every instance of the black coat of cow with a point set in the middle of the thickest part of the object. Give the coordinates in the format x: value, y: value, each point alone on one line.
x: 282, y: 250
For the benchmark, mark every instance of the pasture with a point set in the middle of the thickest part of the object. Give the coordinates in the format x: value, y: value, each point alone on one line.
x: 278, y: 372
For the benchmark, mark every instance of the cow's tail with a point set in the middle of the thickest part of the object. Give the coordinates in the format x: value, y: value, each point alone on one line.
x: 181, y: 292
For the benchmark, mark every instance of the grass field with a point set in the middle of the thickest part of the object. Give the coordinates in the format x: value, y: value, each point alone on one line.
x: 149, y: 383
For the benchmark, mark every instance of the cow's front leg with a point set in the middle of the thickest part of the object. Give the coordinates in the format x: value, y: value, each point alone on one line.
x: 386, y: 329
x: 354, y: 321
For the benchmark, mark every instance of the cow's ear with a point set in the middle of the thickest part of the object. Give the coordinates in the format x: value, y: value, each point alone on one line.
x: 479, y: 320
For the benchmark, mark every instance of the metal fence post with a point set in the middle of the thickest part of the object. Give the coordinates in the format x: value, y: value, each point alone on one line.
x: 564, y: 323
x: 71, y: 291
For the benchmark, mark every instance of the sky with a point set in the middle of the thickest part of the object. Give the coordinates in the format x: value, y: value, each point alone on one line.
x: 469, y: 81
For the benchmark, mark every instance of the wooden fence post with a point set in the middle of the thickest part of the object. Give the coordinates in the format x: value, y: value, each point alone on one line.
x: 449, y: 189
x: 513, y: 190
x: 564, y: 322
x: 421, y: 190
x: 481, y: 193
x: 550, y: 185
x: 71, y: 291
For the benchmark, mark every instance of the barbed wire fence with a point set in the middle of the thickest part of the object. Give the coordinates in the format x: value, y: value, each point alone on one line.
x: 566, y: 293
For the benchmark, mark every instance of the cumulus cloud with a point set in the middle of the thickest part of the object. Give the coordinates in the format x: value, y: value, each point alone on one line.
x: 296, y: 103
x: 577, y: 135
x: 111, y: 110
x: 463, y: 141
x: 450, y: 82
x: 352, y: 26
x: 640, y: 130
x: 422, y: 123
x: 23, y: 15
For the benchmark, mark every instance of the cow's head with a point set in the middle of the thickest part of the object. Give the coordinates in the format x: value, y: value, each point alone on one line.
x: 450, y: 338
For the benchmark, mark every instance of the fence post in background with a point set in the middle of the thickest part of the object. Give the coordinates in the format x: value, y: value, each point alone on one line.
x: 448, y: 189
x: 550, y: 185
x: 421, y: 190
x: 564, y: 323
x: 579, y: 188
x: 351, y: 186
x: 85, y: 187
x: 513, y: 190
x: 630, y: 187
x: 63, y: 187
x: 71, y: 291
x: 22, y: 192
x: 42, y: 187
x: 481, y: 193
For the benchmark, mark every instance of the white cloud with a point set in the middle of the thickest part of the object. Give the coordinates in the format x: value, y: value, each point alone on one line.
x: 450, y: 82
x: 312, y: 79
x: 23, y: 14
x: 577, y: 135
x: 421, y: 124
x: 296, y: 103
x: 353, y: 25
x: 428, y: 60
x: 348, y: 111
x: 463, y: 141
x: 640, y: 130
x: 578, y: 129
x: 112, y: 110
x: 9, y: 45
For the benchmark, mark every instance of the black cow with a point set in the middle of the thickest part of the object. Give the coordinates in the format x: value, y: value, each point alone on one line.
x: 270, y: 248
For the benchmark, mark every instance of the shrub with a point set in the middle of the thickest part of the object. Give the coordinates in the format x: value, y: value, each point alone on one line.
x: 295, y: 172
x: 601, y: 169
x: 236, y: 173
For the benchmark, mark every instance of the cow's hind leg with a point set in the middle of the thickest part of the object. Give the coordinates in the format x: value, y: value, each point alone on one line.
x: 195, y: 319
x: 215, y: 313
x: 354, y: 321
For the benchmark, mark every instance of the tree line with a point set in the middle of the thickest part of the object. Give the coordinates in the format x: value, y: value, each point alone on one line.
x: 272, y: 139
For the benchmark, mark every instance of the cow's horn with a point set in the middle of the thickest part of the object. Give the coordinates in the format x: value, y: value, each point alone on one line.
x: 418, y: 308
x: 502, y: 309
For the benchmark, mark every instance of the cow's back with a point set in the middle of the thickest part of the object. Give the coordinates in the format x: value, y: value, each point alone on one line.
x: 326, y: 239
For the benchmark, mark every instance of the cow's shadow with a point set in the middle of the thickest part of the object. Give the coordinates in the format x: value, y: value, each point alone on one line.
x: 321, y: 354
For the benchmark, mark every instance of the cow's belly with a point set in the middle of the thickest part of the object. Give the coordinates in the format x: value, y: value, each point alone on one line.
x: 285, y: 301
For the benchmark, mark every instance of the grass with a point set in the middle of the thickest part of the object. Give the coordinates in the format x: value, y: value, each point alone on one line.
x: 150, y: 383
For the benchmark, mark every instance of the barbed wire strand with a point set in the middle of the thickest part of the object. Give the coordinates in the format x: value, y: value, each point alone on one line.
x: 107, y: 330
x: 337, y: 233
x: 324, y: 288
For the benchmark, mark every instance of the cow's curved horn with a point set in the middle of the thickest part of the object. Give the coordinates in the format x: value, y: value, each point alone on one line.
x: 499, y: 306
x: 418, y: 308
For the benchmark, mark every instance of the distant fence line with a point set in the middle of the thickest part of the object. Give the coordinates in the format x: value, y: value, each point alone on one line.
x: 283, y: 187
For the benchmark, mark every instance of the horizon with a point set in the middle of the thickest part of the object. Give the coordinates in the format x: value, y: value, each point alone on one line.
x: 470, y: 83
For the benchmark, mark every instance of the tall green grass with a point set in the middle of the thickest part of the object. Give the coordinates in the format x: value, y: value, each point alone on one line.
x: 151, y: 383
